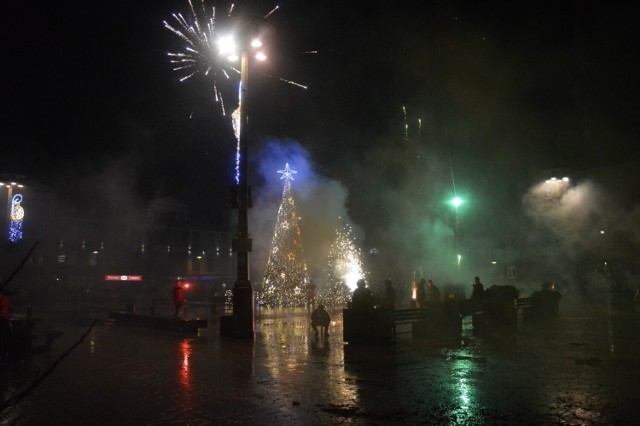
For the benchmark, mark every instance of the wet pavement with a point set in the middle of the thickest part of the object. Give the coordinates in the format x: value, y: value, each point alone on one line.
x: 583, y: 369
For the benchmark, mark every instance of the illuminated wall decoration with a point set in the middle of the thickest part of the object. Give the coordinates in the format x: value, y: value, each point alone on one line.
x: 17, y: 218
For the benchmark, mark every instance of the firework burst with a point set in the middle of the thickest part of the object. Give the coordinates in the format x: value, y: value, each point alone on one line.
x: 199, y: 54
x: 344, y: 268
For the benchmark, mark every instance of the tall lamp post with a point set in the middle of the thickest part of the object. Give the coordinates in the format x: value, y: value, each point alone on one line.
x: 250, y: 38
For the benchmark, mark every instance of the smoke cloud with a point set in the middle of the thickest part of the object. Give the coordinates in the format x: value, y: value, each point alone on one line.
x: 575, y: 215
x: 589, y: 228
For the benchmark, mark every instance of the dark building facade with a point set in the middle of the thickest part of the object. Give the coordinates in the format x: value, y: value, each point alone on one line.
x: 102, y: 252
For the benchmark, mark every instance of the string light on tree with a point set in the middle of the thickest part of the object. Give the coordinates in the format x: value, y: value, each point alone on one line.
x: 286, y: 274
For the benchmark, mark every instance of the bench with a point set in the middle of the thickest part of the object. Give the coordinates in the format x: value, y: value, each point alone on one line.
x: 523, y: 302
x: 437, y: 320
x: 380, y: 326
x: 406, y: 316
x: 540, y: 306
x: 369, y: 326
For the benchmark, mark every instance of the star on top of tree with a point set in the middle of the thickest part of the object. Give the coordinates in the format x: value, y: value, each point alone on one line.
x: 287, y: 172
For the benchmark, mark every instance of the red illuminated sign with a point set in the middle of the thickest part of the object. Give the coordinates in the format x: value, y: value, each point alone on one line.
x: 123, y: 277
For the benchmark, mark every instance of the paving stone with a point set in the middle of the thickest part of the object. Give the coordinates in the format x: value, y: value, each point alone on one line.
x: 581, y: 369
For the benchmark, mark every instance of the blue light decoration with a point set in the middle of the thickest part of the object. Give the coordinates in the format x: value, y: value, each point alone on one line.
x: 287, y: 172
x: 17, y: 216
x: 235, y: 121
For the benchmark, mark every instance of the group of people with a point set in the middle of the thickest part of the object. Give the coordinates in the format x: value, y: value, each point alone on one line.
x: 361, y: 299
x: 426, y: 293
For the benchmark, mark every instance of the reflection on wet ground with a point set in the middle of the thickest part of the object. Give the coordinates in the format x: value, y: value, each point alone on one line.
x: 565, y: 371
x: 579, y: 369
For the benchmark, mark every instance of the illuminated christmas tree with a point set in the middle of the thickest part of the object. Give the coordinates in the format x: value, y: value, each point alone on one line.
x: 286, y: 274
x: 343, y: 269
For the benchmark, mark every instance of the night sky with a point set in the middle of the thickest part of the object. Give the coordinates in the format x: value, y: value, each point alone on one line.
x: 504, y: 90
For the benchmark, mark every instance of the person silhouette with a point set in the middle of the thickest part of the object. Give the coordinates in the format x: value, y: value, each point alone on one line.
x: 178, y: 298
x: 477, y: 294
x: 389, y: 296
x: 362, y: 297
x: 320, y: 318
x: 421, y: 293
x: 433, y: 294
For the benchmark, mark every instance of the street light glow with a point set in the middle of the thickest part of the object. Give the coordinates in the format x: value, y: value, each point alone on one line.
x: 226, y: 45
x: 555, y: 179
x: 11, y: 184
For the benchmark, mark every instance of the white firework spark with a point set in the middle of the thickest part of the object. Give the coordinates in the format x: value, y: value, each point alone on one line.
x: 293, y: 83
x: 271, y: 12
x: 199, y: 55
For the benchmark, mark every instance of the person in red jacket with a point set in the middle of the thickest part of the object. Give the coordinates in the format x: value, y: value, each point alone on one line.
x: 178, y: 297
